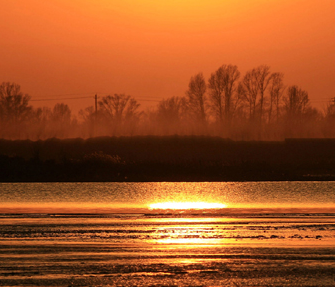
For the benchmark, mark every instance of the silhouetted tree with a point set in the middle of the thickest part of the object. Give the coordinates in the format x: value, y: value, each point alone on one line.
x: 255, y: 83
x: 328, y: 128
x: 119, y: 107
x: 171, y: 110
x: 222, y: 85
x: 61, y: 113
x: 232, y: 75
x: 43, y: 114
x: 216, y: 91
x: 88, y: 119
x: 196, y: 97
x: 276, y: 88
x: 61, y: 121
x: 296, y: 106
x: 296, y: 102
x: 256, y: 107
x: 87, y: 114
x: 171, y: 114
x: 121, y: 113
x: 249, y: 90
x: 14, y: 105
x: 330, y: 110
x: 41, y: 122
x: 264, y: 77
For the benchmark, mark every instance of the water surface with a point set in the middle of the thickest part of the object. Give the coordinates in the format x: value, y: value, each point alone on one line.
x: 110, y: 196
x: 89, y: 234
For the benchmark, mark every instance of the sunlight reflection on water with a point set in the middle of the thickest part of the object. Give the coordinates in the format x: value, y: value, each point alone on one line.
x: 105, y: 234
x: 137, y: 197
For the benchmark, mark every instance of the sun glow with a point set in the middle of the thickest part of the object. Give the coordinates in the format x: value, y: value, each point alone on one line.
x: 187, y: 205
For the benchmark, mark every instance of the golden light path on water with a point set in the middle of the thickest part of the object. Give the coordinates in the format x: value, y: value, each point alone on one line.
x: 187, y: 205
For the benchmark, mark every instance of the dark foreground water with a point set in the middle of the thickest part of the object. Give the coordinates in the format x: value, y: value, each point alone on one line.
x: 48, y: 239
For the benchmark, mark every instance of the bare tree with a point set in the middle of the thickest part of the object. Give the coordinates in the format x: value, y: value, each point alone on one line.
x: 88, y: 119
x: 171, y: 109
x: 276, y: 88
x: 329, y: 119
x: 330, y: 110
x: 61, y: 121
x: 41, y: 121
x: 249, y: 90
x: 14, y: 105
x: 232, y: 75
x: 216, y: 91
x: 222, y: 85
x: 87, y: 115
x: 196, y: 97
x: 296, y: 102
x: 131, y: 111
x: 171, y: 114
x: 255, y: 82
x: 61, y: 113
x: 43, y: 114
x: 119, y: 107
x: 264, y: 77
x: 121, y: 113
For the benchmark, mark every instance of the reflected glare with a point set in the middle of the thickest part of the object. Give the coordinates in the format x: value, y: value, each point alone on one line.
x: 187, y: 205
x: 191, y: 234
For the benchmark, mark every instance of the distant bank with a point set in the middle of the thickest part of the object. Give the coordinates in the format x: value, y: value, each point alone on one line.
x: 169, y: 158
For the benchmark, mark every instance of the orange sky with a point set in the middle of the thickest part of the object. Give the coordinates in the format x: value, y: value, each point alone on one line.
x: 150, y: 49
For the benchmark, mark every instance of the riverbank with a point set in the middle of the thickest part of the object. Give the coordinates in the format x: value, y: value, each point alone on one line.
x: 175, y: 158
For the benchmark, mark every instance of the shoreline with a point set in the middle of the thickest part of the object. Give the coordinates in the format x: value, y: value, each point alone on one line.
x: 166, y: 159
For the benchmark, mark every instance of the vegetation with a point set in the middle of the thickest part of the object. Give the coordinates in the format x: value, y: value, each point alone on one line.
x: 254, y: 106
x: 168, y: 158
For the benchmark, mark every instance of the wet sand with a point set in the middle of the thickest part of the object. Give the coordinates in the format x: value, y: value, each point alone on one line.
x: 171, y: 249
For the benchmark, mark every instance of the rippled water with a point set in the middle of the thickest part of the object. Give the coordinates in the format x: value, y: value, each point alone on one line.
x: 138, y: 195
x: 104, y: 234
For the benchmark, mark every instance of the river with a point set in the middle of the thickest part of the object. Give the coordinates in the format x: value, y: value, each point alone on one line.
x: 113, y: 234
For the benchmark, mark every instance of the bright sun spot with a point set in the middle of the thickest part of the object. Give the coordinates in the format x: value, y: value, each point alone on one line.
x: 187, y: 205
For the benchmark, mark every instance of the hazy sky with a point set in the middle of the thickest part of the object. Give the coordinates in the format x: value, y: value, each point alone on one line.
x: 150, y: 48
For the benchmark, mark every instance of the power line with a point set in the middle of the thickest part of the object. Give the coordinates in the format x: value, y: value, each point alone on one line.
x: 144, y: 100
x: 315, y: 101
x: 323, y: 100
x: 77, y: 98
x: 136, y: 98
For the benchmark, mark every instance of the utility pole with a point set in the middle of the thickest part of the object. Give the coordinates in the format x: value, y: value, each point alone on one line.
x: 95, y: 114
x: 96, y: 104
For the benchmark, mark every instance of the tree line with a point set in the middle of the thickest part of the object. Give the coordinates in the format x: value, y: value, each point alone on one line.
x: 254, y: 106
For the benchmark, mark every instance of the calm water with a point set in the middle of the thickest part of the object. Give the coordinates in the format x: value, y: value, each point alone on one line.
x: 105, y: 234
